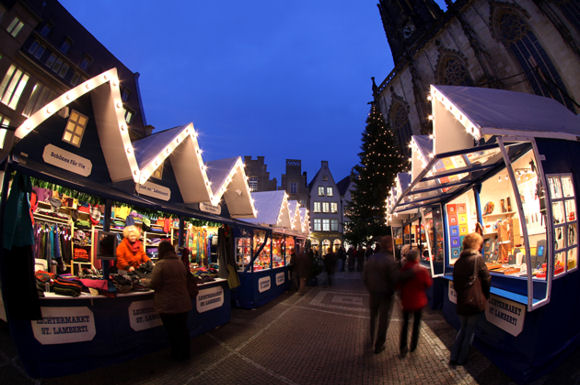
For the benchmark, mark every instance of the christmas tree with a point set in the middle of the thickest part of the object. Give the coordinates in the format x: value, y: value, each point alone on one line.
x: 380, y: 161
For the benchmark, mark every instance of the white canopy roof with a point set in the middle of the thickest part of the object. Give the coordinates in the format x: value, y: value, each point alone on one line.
x: 138, y: 160
x: 462, y: 114
x: 272, y: 209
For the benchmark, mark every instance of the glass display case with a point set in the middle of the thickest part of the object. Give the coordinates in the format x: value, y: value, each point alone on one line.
x: 277, y: 251
x: 243, y: 252
x: 289, y: 249
x: 565, y: 220
x: 263, y: 260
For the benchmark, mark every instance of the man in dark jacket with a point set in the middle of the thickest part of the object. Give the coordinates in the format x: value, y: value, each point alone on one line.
x: 379, y: 276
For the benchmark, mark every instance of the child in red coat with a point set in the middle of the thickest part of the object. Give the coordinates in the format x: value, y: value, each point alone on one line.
x: 415, y: 280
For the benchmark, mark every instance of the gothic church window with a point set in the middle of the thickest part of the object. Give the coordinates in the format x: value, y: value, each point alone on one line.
x: 513, y: 31
x: 452, y: 71
x: 399, y: 119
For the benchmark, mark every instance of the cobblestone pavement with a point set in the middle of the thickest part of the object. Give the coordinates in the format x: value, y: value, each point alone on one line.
x: 318, y: 338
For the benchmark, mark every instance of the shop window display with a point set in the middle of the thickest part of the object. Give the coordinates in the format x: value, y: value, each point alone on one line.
x: 289, y: 249
x: 504, y: 244
x: 202, y: 243
x: 243, y: 252
x: 433, y: 227
x: 263, y: 260
x: 563, y: 199
x: 277, y: 251
x: 461, y: 220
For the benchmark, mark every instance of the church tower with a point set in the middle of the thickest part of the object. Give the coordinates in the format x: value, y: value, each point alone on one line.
x: 407, y: 21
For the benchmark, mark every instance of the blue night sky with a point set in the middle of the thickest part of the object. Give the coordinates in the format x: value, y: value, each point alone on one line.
x: 277, y: 78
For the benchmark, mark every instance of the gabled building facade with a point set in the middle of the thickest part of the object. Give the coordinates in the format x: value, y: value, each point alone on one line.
x: 44, y: 52
x: 345, y: 187
x: 325, y: 213
x: 258, y: 175
x: 294, y: 182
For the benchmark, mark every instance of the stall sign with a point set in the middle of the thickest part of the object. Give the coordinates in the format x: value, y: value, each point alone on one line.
x: 64, y: 159
x: 64, y: 325
x: 207, y: 208
x: 264, y: 284
x: 280, y: 278
x: 142, y: 315
x: 210, y: 298
x: 154, y: 190
x: 505, y: 314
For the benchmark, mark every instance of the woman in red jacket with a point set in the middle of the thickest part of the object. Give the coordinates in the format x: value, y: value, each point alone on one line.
x: 130, y: 253
x: 414, y: 281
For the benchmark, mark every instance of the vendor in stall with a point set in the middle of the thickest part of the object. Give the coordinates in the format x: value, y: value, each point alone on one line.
x: 130, y: 253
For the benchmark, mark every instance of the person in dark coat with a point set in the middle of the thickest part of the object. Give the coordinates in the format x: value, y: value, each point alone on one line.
x: 470, y: 261
x: 360, y: 258
x: 379, y: 276
x: 341, y: 258
x: 413, y: 298
x: 172, y: 300
x: 303, y: 267
x: 351, y: 253
x: 330, y: 266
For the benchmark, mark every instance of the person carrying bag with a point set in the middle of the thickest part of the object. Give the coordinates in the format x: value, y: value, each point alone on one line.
x: 472, y: 282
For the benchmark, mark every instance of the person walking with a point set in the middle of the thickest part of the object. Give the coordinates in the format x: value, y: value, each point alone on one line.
x: 351, y: 253
x: 360, y: 257
x: 329, y: 266
x: 303, y: 267
x: 341, y: 259
x: 379, y: 276
x: 413, y: 298
x: 172, y: 300
x: 469, y: 271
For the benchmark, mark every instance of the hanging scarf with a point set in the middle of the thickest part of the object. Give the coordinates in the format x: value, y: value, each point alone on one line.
x: 134, y: 247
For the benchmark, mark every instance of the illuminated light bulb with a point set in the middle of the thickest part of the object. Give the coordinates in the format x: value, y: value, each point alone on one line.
x: 48, y: 110
x: 135, y: 172
x: 430, y: 117
x: 105, y: 77
x: 123, y: 127
x: 129, y: 150
x: 119, y: 105
x: 429, y: 97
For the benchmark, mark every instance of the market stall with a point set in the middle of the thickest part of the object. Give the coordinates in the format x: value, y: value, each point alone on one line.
x: 504, y: 164
x: 263, y: 252
x: 90, y: 180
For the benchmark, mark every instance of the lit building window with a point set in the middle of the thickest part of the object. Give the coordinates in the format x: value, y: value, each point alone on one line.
x: 329, y: 191
x: 4, y: 124
x: 333, y: 207
x: 128, y: 115
x: 15, y: 27
x: 326, y: 225
x: 75, y: 128
x: 316, y: 207
x: 320, y: 191
x: 334, y: 225
x: 325, y: 207
x: 12, y: 86
x: 317, y: 224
